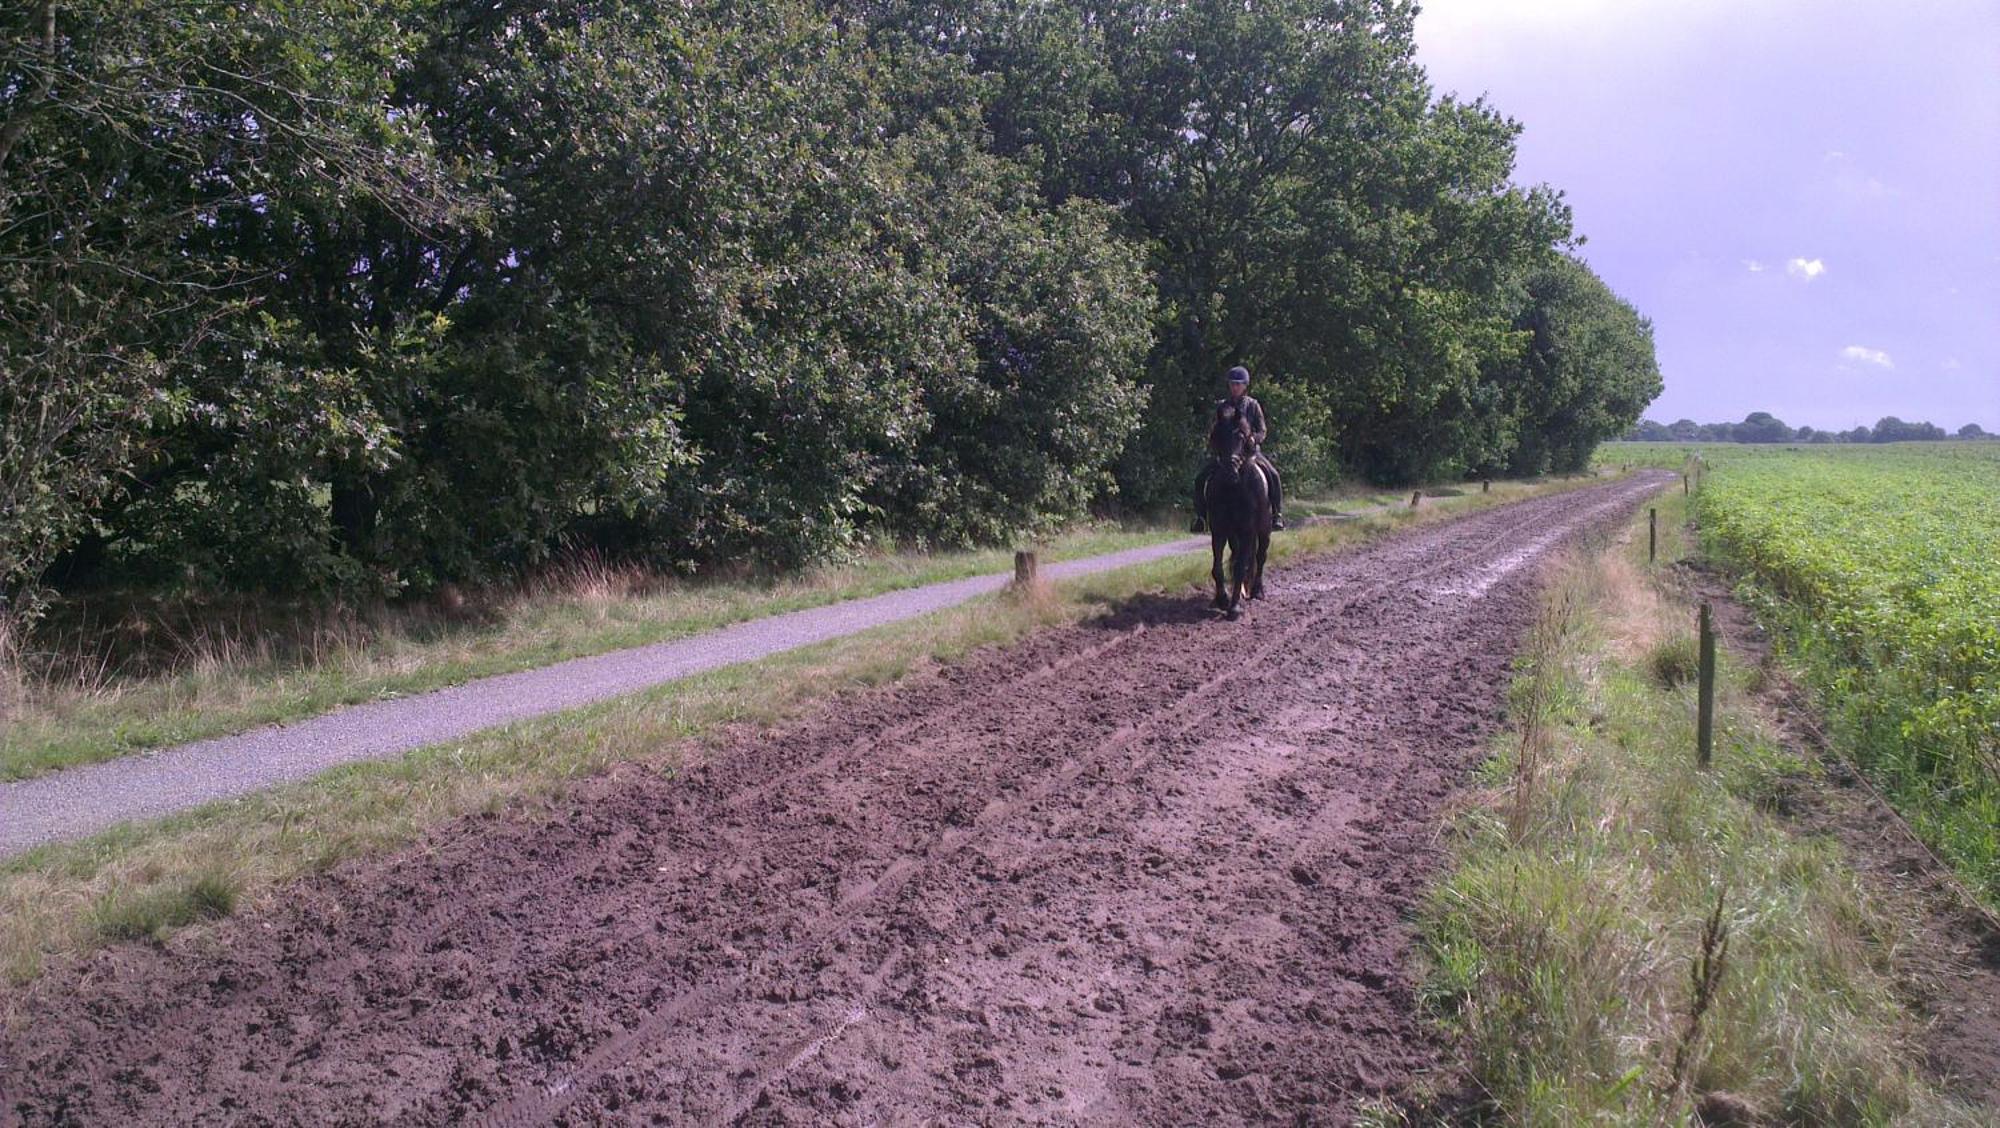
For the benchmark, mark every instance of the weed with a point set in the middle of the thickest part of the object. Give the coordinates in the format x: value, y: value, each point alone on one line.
x: 150, y: 912
x: 1705, y: 975
x: 1674, y: 662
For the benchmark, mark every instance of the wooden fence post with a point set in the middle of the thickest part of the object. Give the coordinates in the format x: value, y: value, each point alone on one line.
x: 1415, y: 497
x: 1652, y: 534
x: 1486, y: 485
x: 1024, y: 569
x: 1704, y: 723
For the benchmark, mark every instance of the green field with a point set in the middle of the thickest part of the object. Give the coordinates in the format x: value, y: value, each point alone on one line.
x: 1882, y: 564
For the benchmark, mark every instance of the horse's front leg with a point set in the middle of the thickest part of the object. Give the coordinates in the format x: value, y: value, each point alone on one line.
x: 1215, y: 543
x: 1239, y: 565
x: 1257, y: 566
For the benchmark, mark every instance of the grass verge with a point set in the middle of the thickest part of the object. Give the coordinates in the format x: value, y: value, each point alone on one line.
x: 1627, y: 938
x: 226, y: 671
x: 154, y: 878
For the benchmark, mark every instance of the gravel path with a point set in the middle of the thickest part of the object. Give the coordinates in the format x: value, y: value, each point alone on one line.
x: 1100, y: 876
x: 82, y: 801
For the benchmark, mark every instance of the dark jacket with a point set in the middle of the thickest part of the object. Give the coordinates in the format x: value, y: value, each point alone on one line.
x: 1250, y: 409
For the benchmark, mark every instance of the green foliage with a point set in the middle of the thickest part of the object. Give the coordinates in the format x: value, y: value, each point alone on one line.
x: 1587, y: 373
x: 1675, y: 661
x: 1312, y: 213
x: 1880, y: 562
x: 150, y: 913
x: 134, y: 136
x: 364, y: 298
x: 1763, y: 427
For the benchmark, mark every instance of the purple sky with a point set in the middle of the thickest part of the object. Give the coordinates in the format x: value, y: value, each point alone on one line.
x: 1803, y: 195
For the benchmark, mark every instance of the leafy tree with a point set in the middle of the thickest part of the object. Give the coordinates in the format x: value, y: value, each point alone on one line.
x: 1587, y: 372
x: 133, y: 136
x: 1890, y: 429
x: 1762, y: 427
x: 1972, y: 431
x: 363, y: 298
x: 1311, y: 213
x: 724, y: 341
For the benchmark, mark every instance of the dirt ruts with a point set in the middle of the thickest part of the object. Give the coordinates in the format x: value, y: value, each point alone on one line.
x: 1153, y: 868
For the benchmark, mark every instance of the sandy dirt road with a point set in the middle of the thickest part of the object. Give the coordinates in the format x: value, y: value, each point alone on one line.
x: 1102, y: 876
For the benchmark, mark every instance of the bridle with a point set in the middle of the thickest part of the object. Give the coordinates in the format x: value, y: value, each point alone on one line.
x: 1241, y: 456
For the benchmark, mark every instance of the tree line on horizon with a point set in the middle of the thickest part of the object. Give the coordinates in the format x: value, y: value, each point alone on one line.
x: 358, y: 299
x: 1763, y: 427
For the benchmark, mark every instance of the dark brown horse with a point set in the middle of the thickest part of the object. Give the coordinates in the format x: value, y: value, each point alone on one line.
x: 1239, y: 515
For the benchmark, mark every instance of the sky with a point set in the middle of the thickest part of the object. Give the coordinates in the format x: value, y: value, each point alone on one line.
x: 1802, y: 195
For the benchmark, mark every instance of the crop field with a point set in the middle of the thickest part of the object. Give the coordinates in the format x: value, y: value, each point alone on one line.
x: 1884, y: 565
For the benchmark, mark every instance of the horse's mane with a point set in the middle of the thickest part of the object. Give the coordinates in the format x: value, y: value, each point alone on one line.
x: 1219, y: 426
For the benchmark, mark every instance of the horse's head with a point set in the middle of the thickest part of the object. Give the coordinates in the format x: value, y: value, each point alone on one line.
x: 1229, y: 441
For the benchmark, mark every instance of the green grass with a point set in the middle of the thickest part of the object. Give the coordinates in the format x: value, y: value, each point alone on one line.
x: 1563, y: 945
x: 143, y: 879
x: 159, y: 909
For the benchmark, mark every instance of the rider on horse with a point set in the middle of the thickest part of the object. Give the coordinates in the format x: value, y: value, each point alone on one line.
x: 1240, y: 404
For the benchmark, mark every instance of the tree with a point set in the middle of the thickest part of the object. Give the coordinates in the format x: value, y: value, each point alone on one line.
x: 1309, y: 209
x: 133, y: 136
x: 355, y: 300
x: 1972, y: 431
x: 1890, y: 429
x: 719, y: 282
x: 1762, y: 427
x: 1587, y: 371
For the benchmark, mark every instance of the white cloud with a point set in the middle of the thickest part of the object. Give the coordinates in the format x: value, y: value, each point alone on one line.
x: 1753, y: 266
x: 1951, y: 364
x: 1805, y: 269
x: 1868, y: 356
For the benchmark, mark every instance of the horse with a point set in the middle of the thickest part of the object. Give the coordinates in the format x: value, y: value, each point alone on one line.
x: 1239, y: 515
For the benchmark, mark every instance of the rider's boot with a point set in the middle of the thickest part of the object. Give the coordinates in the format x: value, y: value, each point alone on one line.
x: 1277, y: 521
